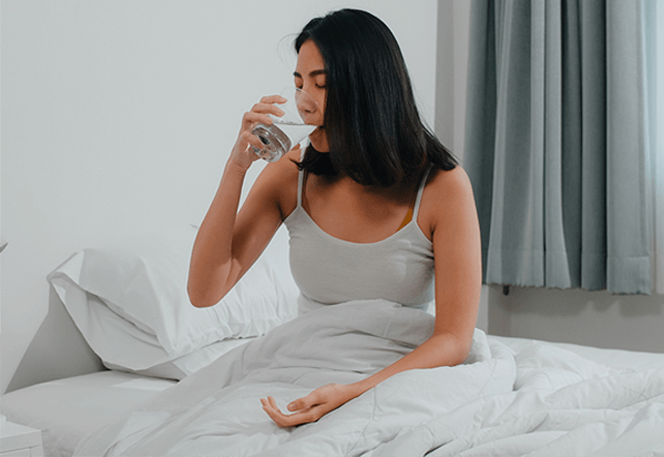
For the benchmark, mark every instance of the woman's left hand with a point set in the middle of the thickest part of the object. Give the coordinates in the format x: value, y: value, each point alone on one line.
x: 312, y: 407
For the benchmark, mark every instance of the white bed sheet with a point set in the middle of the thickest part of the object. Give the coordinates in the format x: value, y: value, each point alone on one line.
x: 69, y: 409
x: 619, y: 358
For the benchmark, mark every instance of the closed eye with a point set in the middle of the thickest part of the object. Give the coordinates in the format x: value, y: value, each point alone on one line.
x: 317, y: 75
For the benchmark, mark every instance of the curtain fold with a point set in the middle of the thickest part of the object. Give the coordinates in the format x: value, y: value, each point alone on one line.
x: 628, y: 260
x: 653, y: 14
x: 555, y: 143
x: 658, y: 152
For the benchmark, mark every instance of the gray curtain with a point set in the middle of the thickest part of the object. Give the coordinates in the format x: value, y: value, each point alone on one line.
x: 555, y: 143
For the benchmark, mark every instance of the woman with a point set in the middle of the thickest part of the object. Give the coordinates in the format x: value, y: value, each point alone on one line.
x: 376, y: 207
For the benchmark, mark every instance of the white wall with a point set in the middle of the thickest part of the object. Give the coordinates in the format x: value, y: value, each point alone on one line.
x: 582, y: 317
x: 117, y: 117
x: 574, y: 316
x: 452, y: 63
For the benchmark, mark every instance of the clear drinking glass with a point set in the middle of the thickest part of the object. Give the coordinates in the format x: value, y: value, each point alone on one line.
x: 289, y: 129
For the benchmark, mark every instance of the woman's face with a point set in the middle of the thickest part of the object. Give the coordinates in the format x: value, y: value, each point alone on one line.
x: 310, y: 77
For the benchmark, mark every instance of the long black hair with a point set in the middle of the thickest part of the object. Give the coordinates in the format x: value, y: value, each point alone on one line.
x: 374, y: 130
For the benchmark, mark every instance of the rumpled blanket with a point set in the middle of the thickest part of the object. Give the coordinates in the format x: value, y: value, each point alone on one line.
x: 543, y: 400
x: 216, y: 411
x: 562, y: 405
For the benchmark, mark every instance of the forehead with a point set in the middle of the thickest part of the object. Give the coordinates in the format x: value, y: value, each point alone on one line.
x: 309, y: 58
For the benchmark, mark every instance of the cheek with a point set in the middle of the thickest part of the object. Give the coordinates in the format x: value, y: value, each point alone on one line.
x: 321, y: 112
x: 322, y: 104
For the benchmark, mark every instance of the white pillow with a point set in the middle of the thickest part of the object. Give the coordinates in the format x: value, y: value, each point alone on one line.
x: 183, y: 366
x: 130, y: 302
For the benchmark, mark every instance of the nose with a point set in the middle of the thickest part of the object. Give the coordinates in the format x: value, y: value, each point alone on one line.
x: 305, y: 103
x: 306, y: 106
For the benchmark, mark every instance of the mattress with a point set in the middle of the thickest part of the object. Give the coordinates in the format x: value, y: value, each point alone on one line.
x: 69, y: 409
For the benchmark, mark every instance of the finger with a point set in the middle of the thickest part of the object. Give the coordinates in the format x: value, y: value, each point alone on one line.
x: 252, y: 140
x: 305, y: 402
x: 268, y: 108
x: 299, y: 418
x: 290, y: 420
x: 296, y: 405
x: 250, y: 119
x: 273, y: 99
x: 282, y: 419
x: 270, y: 407
x: 273, y: 404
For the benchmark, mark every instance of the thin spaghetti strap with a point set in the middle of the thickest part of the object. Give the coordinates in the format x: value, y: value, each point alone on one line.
x: 300, y: 186
x: 419, y: 193
x: 300, y: 181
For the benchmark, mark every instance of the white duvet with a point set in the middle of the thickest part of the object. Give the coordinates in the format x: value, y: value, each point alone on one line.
x: 541, y: 401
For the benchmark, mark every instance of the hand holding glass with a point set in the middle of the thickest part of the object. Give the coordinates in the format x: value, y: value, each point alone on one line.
x: 289, y: 129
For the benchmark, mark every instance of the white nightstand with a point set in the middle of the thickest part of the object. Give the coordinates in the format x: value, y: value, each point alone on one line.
x: 19, y: 441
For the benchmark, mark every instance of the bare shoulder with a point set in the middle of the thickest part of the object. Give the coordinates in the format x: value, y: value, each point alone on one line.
x: 447, y: 195
x: 283, y: 170
x: 448, y: 183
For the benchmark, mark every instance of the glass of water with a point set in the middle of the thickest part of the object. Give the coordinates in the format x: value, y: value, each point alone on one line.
x: 289, y: 129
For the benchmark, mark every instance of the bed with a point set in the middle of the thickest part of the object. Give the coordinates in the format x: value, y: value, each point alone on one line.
x: 183, y: 381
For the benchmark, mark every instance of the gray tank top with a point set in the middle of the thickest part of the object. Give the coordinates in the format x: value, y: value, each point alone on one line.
x: 329, y: 270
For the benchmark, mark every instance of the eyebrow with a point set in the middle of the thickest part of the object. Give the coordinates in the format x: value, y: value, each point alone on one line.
x: 312, y: 74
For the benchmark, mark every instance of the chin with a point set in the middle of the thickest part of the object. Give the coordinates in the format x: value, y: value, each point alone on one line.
x: 319, y: 141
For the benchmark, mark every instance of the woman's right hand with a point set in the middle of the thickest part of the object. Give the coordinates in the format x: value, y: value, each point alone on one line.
x: 243, y: 154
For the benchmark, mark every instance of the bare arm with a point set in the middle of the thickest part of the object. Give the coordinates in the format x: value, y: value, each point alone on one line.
x: 458, y: 279
x: 228, y: 242
x: 457, y: 256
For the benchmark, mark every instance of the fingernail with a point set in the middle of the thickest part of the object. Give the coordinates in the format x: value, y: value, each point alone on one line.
x: 291, y: 407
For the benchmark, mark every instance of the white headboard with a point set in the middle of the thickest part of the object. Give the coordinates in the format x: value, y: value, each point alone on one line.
x: 118, y: 118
